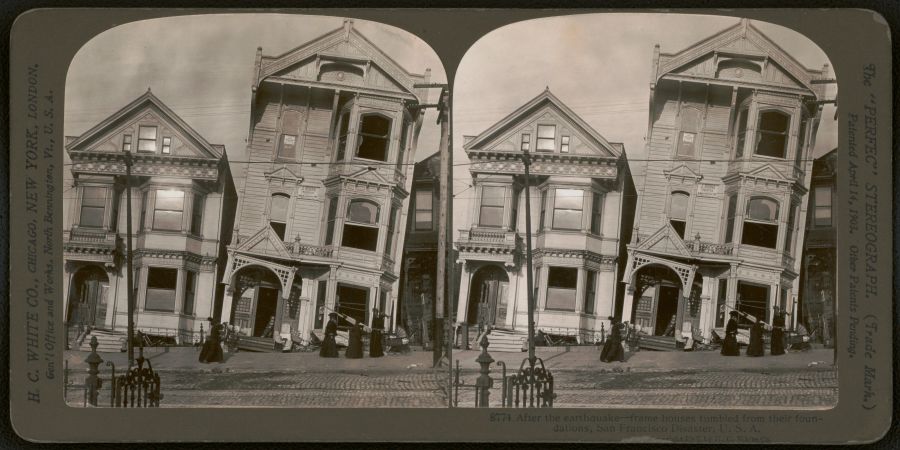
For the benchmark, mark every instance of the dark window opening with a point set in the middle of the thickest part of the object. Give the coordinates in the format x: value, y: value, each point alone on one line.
x: 590, y: 292
x: 352, y: 302
x: 190, y: 290
x: 361, y: 227
x: 752, y: 299
x: 161, y: 284
x: 543, y: 210
x: 93, y: 207
x: 343, y: 130
x: 791, y: 223
x: 374, y: 135
x: 143, y: 211
x: 197, y: 215
x: 678, y: 212
x: 392, y: 227
x: 597, y: 213
x: 278, y: 212
x: 729, y: 225
x: 741, y: 132
x: 320, y: 312
x: 721, y: 313
x: 332, y: 214
x: 760, y: 223
x: 491, y: 213
x: 561, y: 286
x: 773, y: 132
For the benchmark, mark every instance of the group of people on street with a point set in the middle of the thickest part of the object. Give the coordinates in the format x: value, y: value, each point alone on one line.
x: 354, y: 340
x: 756, y: 347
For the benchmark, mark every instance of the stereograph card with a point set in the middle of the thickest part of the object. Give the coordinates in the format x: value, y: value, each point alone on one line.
x: 537, y: 226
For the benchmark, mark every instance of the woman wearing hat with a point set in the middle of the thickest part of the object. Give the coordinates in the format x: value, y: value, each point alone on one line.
x: 329, y: 346
x: 375, y: 348
x: 777, y: 341
x: 756, y: 347
x: 730, y: 346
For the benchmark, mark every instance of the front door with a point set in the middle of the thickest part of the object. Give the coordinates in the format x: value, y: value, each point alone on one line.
x: 666, y: 306
x: 266, y: 303
x: 89, y: 308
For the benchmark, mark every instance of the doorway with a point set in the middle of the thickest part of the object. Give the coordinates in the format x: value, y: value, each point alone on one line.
x: 87, y: 301
x: 352, y: 301
x: 266, y: 304
x: 488, y: 305
x: 666, y: 307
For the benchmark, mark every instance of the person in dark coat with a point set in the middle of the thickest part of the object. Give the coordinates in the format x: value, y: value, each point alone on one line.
x: 212, y: 348
x: 730, y: 346
x: 375, y: 348
x: 612, y: 348
x: 329, y: 346
x: 756, y: 347
x: 777, y: 341
x: 354, y: 344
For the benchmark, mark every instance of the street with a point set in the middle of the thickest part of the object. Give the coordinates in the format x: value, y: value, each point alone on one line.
x: 802, y: 380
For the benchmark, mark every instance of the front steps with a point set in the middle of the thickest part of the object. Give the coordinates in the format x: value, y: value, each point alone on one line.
x: 257, y: 344
x: 507, y: 341
x: 107, y: 341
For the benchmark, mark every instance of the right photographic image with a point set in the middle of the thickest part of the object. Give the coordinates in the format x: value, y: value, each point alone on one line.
x: 643, y: 204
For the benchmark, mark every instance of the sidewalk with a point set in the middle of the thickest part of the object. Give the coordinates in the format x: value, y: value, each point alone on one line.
x: 555, y: 358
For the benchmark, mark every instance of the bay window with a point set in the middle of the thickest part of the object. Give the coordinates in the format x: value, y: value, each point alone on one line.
x: 562, y: 283
x: 343, y: 131
x: 169, y: 210
x: 197, y: 215
x: 567, y: 209
x: 161, y: 285
x: 761, y: 223
x: 773, y: 134
x: 361, y: 225
x: 374, y: 136
x: 597, y: 213
x: 93, y: 207
x: 492, y: 199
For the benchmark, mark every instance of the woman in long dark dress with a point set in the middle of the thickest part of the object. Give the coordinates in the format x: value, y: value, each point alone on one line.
x: 756, y: 346
x: 212, y: 348
x: 612, y: 348
x: 375, y: 348
x: 354, y: 346
x: 329, y: 346
x: 730, y: 346
x: 777, y: 341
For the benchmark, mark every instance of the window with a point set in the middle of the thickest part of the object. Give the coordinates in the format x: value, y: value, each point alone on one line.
x: 491, y: 214
x: 161, y: 285
x: 546, y: 138
x: 729, y: 225
x: 687, y: 137
x: 361, y: 226
x: 169, y: 210
x: 760, y: 223
x: 351, y: 301
x: 773, y: 132
x: 561, y: 285
x: 741, y: 132
x: 543, y: 210
x: 678, y: 207
x: 190, y: 290
x: 126, y: 143
x: 197, y: 215
x: 290, y: 126
x: 343, y: 130
x: 332, y: 213
x: 392, y: 227
x: 93, y: 207
x: 597, y: 213
x: 374, y: 135
x: 146, y: 138
x: 567, y: 209
x: 526, y: 141
x: 564, y: 145
x: 143, y: 221
x: 822, y: 213
x: 167, y: 145
x: 424, y: 209
x: 590, y: 290
x: 278, y: 213
x: 791, y: 222
x: 752, y: 299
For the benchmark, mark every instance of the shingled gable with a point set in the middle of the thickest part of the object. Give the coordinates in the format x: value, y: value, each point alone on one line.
x: 327, y: 45
x: 545, y: 98
x: 134, y: 109
x: 723, y: 41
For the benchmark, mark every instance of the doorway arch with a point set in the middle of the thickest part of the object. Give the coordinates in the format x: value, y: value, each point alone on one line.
x: 661, y: 304
x: 488, y: 304
x: 257, y: 300
x: 88, y: 297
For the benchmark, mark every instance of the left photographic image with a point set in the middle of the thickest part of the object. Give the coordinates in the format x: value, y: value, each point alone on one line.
x: 241, y: 195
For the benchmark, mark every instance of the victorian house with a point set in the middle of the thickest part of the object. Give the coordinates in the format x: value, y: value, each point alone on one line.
x: 720, y: 211
x: 419, y: 270
x: 182, y: 207
x: 818, y: 272
x: 322, y: 209
x: 582, y: 205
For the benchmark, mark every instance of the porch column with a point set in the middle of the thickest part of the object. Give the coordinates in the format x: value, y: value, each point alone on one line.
x: 113, y: 277
x: 225, y: 314
x: 69, y: 269
x: 330, y: 293
x: 731, y: 296
x: 707, y: 310
x: 679, y: 312
x: 774, y: 292
x: 628, y: 303
x: 462, y: 302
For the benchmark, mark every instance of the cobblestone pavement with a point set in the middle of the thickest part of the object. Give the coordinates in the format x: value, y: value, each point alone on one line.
x: 815, y: 388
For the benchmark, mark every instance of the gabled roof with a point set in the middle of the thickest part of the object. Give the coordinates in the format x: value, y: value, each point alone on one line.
x: 665, y: 241
x: 743, y: 30
x: 544, y: 98
x: 266, y: 242
x: 270, y: 65
x: 138, y: 104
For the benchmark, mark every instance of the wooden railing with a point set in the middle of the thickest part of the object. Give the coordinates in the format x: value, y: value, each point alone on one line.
x: 476, y: 235
x: 90, y: 236
x: 309, y: 250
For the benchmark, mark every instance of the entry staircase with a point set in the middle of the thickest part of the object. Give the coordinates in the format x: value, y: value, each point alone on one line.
x: 661, y: 343
x: 257, y: 344
x: 502, y: 340
x: 107, y: 341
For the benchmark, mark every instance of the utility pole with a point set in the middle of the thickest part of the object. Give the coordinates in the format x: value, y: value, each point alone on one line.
x: 526, y: 161
x: 129, y: 259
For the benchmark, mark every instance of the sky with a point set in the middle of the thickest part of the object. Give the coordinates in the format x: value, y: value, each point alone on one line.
x: 597, y: 64
x: 201, y: 67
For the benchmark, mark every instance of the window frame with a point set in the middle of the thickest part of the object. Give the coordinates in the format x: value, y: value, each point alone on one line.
x: 360, y: 134
x: 590, y: 291
x: 95, y: 204
x: 287, y: 211
x: 730, y: 217
x: 372, y: 226
x: 538, y: 140
x: 564, y: 143
x: 525, y: 142
x: 152, y: 140
x: 342, y: 133
x: 552, y: 279
x: 817, y: 207
x: 556, y: 196
x: 173, y: 290
x: 597, y: 213
x: 419, y: 210
x: 331, y: 220
x: 197, y: 214
x: 758, y: 138
x: 166, y: 148
x: 491, y: 207
x: 684, y: 126
x: 190, y: 293
x: 156, y: 209
x: 740, y: 136
x: 127, y: 142
x: 761, y: 222
x: 687, y: 206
